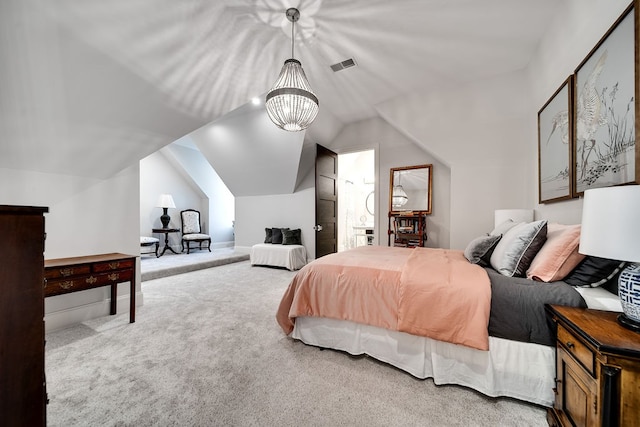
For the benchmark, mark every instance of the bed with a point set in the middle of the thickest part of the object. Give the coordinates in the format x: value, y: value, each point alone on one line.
x: 330, y: 302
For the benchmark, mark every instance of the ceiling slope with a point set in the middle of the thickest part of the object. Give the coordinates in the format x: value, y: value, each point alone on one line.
x: 91, y: 87
x: 251, y: 155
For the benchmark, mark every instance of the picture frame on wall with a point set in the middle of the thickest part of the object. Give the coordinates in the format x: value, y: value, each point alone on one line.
x: 604, y: 149
x: 555, y: 146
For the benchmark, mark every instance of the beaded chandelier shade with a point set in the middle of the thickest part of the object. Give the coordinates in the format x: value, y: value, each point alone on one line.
x: 291, y: 103
x: 399, y: 196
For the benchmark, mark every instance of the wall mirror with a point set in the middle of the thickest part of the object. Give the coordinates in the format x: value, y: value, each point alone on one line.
x: 410, y: 189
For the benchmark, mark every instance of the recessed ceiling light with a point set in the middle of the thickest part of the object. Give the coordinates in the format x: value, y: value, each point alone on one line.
x: 255, y: 100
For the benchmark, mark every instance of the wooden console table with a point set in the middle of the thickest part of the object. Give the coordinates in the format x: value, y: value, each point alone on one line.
x: 65, y: 275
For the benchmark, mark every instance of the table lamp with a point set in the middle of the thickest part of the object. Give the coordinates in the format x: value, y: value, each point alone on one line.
x: 611, y: 229
x: 165, y: 201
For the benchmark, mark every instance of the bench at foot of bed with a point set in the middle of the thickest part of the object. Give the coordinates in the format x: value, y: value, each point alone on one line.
x: 292, y: 257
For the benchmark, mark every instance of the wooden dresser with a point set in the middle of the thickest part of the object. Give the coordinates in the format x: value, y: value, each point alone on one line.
x: 65, y: 275
x: 597, y: 369
x: 22, y: 379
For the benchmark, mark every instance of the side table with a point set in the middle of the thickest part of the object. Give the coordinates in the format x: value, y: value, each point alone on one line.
x: 166, y: 232
x: 598, y: 369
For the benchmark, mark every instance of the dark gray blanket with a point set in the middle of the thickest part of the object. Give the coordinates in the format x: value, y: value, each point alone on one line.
x: 517, y: 307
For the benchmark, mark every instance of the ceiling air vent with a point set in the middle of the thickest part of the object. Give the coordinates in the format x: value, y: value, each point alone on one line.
x: 347, y: 63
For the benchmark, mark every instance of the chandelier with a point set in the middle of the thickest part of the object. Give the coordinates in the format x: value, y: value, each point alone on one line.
x: 399, y: 197
x: 291, y: 103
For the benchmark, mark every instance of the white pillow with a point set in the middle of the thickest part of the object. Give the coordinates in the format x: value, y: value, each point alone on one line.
x: 503, y: 227
x: 517, y: 248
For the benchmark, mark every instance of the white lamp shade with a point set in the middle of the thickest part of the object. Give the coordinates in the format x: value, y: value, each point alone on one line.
x: 611, y: 223
x: 165, y: 201
x: 516, y: 215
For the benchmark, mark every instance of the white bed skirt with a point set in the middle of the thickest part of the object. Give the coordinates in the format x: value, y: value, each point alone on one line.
x: 510, y: 368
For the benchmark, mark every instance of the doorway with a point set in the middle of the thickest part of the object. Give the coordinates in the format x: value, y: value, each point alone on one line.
x: 356, y: 200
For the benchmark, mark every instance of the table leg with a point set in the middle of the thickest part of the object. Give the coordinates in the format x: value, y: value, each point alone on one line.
x: 132, y: 297
x: 166, y: 246
x: 114, y: 298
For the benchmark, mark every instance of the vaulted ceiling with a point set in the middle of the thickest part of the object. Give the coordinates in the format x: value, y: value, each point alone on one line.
x: 89, y: 87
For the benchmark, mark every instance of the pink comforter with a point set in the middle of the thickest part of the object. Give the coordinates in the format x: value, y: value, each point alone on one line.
x: 434, y: 293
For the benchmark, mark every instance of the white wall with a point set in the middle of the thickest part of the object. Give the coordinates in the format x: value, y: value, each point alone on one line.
x: 487, y: 131
x: 158, y: 176
x: 478, y: 131
x: 86, y: 216
x: 565, y: 45
x: 217, y: 199
x: 252, y: 155
x: 393, y: 149
x: 297, y: 210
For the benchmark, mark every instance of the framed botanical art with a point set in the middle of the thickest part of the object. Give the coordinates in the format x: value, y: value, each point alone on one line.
x: 605, y: 151
x: 555, y: 136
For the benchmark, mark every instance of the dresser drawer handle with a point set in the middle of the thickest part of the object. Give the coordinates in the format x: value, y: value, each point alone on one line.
x: 67, y: 284
x: 91, y: 280
x: 114, y: 265
x: 66, y: 272
x: 570, y: 345
x: 113, y: 276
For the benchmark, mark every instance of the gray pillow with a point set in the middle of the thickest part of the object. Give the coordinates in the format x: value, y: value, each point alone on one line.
x: 517, y: 248
x: 276, y: 235
x: 479, y: 250
x: 291, y: 237
x: 594, y: 271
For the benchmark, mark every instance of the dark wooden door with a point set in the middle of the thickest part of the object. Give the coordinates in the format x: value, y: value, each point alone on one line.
x: 326, y: 201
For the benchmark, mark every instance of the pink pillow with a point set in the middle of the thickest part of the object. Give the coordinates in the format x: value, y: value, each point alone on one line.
x: 559, y: 254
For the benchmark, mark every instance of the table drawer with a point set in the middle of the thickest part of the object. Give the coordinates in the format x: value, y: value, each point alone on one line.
x: 67, y: 271
x: 577, y: 349
x: 113, y: 265
x: 66, y: 285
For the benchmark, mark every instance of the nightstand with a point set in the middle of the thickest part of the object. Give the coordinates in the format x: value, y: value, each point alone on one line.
x: 597, y: 369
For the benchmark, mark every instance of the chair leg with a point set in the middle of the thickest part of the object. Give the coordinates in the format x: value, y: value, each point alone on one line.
x: 157, y: 246
x: 209, y: 247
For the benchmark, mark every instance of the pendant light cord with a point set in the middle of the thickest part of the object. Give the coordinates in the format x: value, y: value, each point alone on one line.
x: 293, y: 26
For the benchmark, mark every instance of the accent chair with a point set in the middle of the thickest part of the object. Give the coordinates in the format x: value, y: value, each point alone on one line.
x: 192, y: 230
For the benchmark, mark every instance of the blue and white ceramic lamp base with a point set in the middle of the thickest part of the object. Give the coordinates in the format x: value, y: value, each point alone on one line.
x: 629, y: 292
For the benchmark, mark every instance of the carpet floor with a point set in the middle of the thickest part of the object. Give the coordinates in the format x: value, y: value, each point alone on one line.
x: 171, y: 264
x: 206, y: 351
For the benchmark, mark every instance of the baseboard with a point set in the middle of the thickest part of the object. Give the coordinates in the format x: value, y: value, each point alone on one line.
x: 214, y: 245
x: 72, y: 316
x: 220, y: 245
